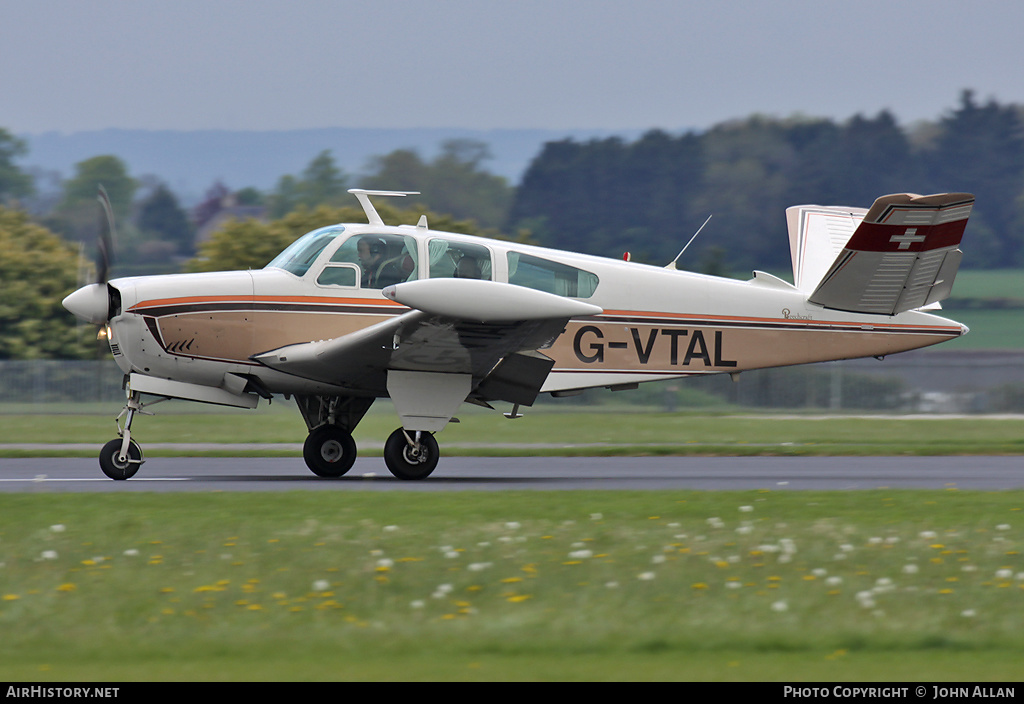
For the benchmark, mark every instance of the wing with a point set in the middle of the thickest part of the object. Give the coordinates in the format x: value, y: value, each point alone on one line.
x: 485, y: 330
x: 903, y: 255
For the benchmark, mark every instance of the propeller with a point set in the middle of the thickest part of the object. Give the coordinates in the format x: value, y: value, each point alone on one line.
x: 95, y: 303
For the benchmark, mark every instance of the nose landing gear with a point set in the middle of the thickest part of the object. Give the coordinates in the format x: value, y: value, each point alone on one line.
x: 121, y: 458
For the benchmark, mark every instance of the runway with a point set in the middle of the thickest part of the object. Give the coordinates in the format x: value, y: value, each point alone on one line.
x: 167, y: 474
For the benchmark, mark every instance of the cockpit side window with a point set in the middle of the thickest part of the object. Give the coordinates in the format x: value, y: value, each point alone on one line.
x: 551, y: 277
x: 300, y: 254
x: 382, y: 260
x: 458, y: 260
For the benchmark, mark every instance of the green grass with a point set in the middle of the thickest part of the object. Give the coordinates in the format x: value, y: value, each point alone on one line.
x: 880, y: 585
x: 608, y: 431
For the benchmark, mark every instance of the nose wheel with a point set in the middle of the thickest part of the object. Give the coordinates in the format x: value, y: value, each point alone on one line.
x: 329, y: 451
x: 411, y: 454
x: 121, y: 465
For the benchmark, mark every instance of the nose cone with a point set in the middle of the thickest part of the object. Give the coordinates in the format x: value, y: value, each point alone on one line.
x: 90, y: 303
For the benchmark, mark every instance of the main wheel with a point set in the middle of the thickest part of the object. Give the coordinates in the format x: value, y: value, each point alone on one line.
x: 111, y: 464
x: 329, y: 451
x: 411, y: 460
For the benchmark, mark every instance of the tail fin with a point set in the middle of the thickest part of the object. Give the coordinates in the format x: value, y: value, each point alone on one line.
x: 902, y: 255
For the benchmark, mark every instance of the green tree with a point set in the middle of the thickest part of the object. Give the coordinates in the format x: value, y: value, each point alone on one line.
x: 76, y: 216
x: 161, y: 217
x: 321, y: 183
x: 13, y: 183
x: 37, y: 270
x: 454, y: 182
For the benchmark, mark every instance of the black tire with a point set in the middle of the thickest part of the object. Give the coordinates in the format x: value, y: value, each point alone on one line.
x: 120, y: 470
x: 329, y: 451
x: 407, y: 462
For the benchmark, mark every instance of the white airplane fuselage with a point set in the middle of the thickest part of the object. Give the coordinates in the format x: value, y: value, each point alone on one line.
x: 656, y: 323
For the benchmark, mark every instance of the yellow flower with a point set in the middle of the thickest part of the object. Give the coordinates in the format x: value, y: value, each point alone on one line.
x: 519, y: 597
x: 67, y: 587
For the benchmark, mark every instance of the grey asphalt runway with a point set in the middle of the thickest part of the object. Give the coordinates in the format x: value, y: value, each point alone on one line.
x: 163, y: 474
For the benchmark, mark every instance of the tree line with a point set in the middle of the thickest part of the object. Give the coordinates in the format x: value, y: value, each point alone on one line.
x: 648, y: 197
x: 602, y: 197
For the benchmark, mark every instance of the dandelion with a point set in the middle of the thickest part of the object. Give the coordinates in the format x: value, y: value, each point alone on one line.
x: 67, y: 587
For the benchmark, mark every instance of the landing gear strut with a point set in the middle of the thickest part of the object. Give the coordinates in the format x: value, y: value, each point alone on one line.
x: 411, y: 454
x: 121, y: 458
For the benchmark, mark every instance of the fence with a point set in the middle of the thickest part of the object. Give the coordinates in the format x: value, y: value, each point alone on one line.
x: 913, y: 382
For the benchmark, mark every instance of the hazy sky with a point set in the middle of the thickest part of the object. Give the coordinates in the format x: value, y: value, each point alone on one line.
x: 71, y: 65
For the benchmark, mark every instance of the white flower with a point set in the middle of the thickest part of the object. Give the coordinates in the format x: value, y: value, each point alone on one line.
x: 645, y: 576
x: 512, y: 525
x: 59, y: 528
x: 451, y: 554
x: 910, y: 569
x: 1003, y: 526
x: 321, y: 585
x: 834, y: 581
x: 715, y: 522
x: 49, y: 555
x: 611, y: 585
x: 596, y: 516
x: 733, y: 585
x: 580, y: 554
x: 479, y: 566
x: 418, y: 604
x: 780, y: 606
x: 390, y: 529
x: 968, y: 613
x: 746, y: 509
x: 927, y: 534
x: 658, y: 559
x: 745, y: 530
x: 131, y: 552
x: 819, y: 572
x: 385, y: 562
x: 1004, y: 574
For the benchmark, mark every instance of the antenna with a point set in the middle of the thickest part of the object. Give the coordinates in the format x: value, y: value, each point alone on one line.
x: 363, y: 197
x: 672, y: 264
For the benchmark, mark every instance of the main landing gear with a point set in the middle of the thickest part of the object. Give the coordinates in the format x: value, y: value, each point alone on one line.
x: 330, y: 451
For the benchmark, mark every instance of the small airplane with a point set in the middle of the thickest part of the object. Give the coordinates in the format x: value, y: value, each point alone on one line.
x: 354, y: 312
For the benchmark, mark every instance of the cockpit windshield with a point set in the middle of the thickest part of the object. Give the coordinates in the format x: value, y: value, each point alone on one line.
x: 301, y: 253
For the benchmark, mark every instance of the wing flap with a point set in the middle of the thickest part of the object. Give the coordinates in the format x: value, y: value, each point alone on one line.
x: 903, y: 255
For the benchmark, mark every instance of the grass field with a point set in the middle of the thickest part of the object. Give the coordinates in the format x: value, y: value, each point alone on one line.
x: 624, y: 430
x: 782, y: 586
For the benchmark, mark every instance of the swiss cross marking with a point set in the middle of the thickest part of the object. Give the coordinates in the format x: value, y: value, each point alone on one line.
x: 907, y: 238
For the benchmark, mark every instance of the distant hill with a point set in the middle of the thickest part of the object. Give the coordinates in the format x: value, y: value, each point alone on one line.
x: 190, y: 162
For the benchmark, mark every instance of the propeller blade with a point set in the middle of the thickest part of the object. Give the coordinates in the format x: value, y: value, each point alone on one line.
x: 105, y: 238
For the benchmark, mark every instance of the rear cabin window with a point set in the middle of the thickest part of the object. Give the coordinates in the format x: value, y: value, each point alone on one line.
x: 458, y: 260
x: 551, y: 277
